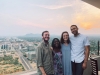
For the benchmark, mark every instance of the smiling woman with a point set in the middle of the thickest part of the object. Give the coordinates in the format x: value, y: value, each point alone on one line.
x: 57, y: 57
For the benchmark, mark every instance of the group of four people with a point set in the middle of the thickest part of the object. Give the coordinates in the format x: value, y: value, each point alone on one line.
x: 67, y: 56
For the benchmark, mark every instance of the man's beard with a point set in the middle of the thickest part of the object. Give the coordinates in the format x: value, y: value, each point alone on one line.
x: 75, y: 33
x: 46, y: 40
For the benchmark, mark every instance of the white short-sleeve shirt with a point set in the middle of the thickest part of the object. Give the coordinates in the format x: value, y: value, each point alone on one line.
x: 78, y: 44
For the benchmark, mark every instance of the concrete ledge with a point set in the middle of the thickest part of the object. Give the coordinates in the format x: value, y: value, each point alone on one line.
x: 95, y: 3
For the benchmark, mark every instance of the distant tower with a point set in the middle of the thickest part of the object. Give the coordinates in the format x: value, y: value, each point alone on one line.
x: 0, y: 47
x: 3, y: 46
x: 11, y: 46
x: 19, y: 47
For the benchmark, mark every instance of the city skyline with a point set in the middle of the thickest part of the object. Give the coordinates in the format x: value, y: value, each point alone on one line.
x: 34, y: 16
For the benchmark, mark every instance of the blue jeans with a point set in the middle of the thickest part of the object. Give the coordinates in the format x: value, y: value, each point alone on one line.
x: 77, y: 68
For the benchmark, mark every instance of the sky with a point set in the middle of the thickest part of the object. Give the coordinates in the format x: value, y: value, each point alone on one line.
x: 20, y: 17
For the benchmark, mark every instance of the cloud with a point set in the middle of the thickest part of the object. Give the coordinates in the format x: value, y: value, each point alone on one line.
x: 13, y: 21
x: 31, y: 24
x: 59, y: 4
x: 54, y: 6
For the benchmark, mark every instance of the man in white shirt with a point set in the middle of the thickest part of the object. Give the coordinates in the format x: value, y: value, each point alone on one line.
x: 80, y: 48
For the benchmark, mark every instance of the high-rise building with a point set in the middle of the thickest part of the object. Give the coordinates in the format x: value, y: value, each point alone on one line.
x: 0, y: 47
x: 31, y: 55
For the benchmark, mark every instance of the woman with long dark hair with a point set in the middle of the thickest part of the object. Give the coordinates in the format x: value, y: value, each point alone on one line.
x: 66, y: 52
x: 57, y: 57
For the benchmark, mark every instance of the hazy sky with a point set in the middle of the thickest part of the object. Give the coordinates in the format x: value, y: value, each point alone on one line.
x: 19, y: 17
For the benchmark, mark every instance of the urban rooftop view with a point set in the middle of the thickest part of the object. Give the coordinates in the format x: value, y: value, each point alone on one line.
x: 22, y: 23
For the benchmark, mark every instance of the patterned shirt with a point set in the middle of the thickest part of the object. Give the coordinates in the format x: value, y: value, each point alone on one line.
x: 44, y: 58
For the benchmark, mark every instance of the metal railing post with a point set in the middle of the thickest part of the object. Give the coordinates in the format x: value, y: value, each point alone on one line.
x: 98, y: 47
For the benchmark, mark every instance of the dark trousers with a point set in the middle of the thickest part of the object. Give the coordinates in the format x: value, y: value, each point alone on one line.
x: 50, y: 74
x: 77, y: 68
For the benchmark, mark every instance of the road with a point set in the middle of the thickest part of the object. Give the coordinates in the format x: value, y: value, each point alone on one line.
x: 24, y: 60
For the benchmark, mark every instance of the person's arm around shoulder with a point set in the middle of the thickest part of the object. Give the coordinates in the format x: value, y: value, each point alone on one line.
x: 40, y: 60
x: 87, y: 50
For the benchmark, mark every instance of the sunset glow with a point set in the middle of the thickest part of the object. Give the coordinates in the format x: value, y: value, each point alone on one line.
x: 34, y: 16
